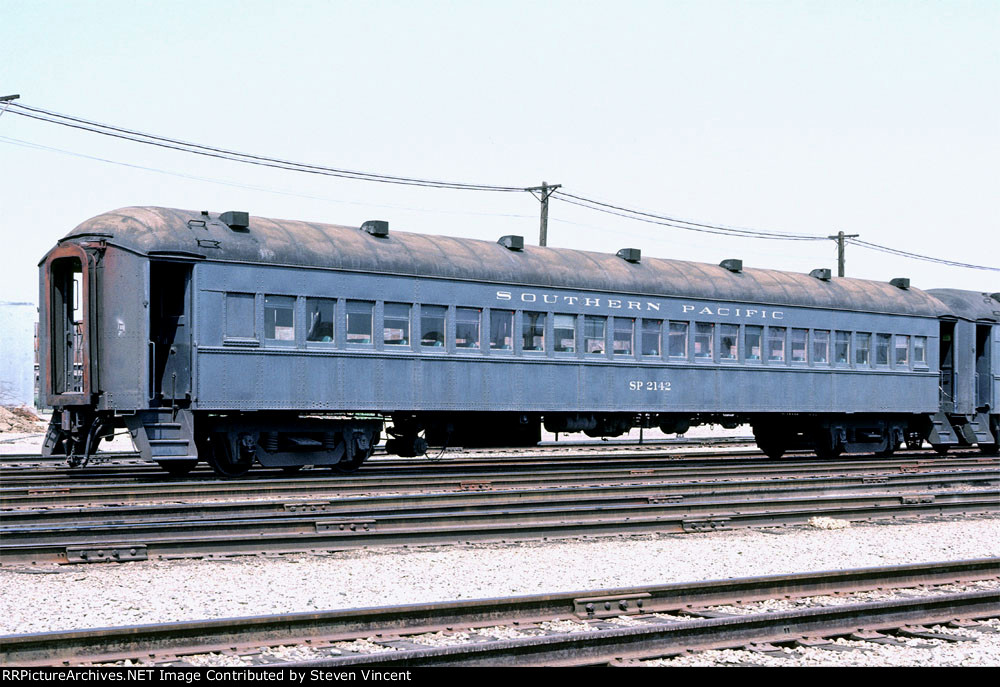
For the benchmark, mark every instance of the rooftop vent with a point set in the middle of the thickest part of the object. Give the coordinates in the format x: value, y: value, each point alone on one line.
x: 822, y: 273
x: 376, y: 227
x: 995, y: 296
x: 630, y: 254
x: 512, y: 242
x: 236, y: 220
x: 732, y: 264
x: 900, y: 282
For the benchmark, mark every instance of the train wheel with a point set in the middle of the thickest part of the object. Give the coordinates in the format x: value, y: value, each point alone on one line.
x: 826, y: 446
x: 346, y: 467
x: 177, y: 468
x: 887, y: 451
x: 888, y: 448
x: 774, y: 450
x: 229, y: 456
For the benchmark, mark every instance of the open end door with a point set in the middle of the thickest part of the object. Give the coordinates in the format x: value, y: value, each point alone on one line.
x: 66, y: 322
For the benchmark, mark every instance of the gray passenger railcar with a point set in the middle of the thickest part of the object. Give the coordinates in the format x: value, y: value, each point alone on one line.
x: 287, y: 343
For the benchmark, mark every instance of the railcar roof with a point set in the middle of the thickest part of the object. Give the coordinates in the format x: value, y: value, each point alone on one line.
x: 163, y: 231
x: 969, y: 305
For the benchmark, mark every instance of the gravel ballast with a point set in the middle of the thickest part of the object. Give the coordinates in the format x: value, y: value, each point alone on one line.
x: 99, y: 595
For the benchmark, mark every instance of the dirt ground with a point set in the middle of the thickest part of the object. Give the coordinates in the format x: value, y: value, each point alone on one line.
x: 19, y: 419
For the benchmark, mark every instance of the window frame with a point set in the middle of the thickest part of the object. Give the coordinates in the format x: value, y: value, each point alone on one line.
x: 389, y: 344
x: 686, y: 338
x: 735, y: 358
x: 459, y: 309
x: 658, y: 330
x: 232, y: 339
x: 555, y: 338
x: 291, y: 305
x: 434, y: 348
x: 760, y: 344
x: 499, y: 350
x: 603, y: 338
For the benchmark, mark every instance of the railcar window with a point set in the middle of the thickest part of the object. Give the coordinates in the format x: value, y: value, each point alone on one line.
x: 821, y: 346
x: 776, y: 344
x: 467, y: 327
x: 752, y: 341
x: 842, y: 348
x: 432, y: 319
x: 902, y: 350
x: 862, y: 348
x: 678, y: 336
x: 882, y: 343
x: 564, y: 330
x: 651, y: 336
x: 798, y: 345
x: 502, y: 330
x: 593, y: 333
x: 533, y: 328
x: 240, y: 316
x: 624, y: 335
x: 729, y: 338
x: 396, y: 324
x: 704, y: 333
x: 279, y: 318
x: 319, y: 319
x: 359, y: 322
x: 920, y: 350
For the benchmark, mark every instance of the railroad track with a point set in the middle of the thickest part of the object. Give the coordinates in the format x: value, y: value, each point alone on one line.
x: 546, y: 448
x: 444, y: 519
x: 580, y: 628
x: 67, y: 491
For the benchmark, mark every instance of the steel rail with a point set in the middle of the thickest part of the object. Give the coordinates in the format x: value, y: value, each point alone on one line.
x: 619, y: 494
x: 169, y: 640
x: 134, y: 468
x: 51, y: 495
x: 606, y: 646
x: 594, y: 444
x: 332, y: 532
x: 549, y: 450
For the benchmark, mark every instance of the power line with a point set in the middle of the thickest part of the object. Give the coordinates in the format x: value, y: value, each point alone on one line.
x: 249, y: 187
x: 917, y: 256
x: 602, y: 206
x: 663, y: 220
x: 248, y: 158
x: 79, y: 123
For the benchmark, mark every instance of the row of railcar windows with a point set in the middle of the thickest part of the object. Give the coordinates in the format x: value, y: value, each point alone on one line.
x: 702, y: 341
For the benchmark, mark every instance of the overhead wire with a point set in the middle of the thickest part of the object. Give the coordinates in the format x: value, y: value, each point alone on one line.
x: 91, y: 126
x: 664, y: 220
x: 250, y: 187
x: 917, y: 256
x: 51, y: 117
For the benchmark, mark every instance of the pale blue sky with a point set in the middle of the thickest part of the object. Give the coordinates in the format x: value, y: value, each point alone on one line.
x: 878, y: 118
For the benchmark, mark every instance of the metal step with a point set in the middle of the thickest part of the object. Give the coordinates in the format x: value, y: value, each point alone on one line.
x: 980, y: 425
x: 942, y: 433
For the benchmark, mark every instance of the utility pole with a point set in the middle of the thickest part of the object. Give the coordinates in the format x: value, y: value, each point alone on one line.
x: 5, y: 99
x: 542, y: 193
x: 839, y: 238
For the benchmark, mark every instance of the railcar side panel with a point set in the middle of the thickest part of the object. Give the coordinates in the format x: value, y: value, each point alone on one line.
x: 254, y: 372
